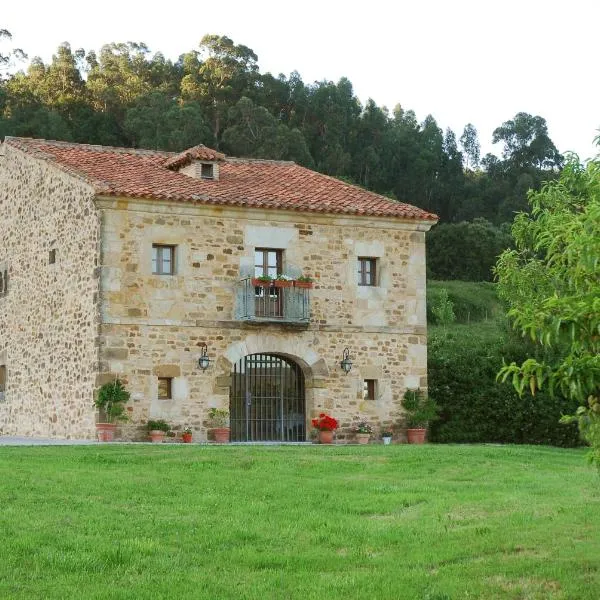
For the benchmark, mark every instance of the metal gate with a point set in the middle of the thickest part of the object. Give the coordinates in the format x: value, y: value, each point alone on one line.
x: 266, y: 402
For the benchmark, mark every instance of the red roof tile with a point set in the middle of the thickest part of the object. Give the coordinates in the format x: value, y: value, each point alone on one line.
x: 242, y: 182
x: 199, y: 152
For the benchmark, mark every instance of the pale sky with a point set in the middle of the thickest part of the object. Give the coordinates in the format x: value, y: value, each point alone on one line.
x: 460, y: 60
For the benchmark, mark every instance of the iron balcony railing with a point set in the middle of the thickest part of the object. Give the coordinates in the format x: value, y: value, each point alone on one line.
x: 272, y: 304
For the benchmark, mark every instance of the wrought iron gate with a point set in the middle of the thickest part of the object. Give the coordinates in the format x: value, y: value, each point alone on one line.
x: 266, y: 401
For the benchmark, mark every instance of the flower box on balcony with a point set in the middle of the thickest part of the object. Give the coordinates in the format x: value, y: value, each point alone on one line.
x: 307, y: 285
x: 256, y: 282
x: 283, y: 283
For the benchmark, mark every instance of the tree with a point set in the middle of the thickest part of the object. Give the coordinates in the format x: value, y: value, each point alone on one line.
x: 470, y: 144
x: 14, y: 54
x: 526, y: 143
x: 226, y: 74
x: 551, y: 281
x: 253, y: 131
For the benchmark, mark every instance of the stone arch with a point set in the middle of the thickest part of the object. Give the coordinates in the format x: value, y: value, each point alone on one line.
x: 294, y: 348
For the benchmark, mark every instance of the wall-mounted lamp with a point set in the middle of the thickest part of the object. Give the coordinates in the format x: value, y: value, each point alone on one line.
x: 203, y: 361
x: 346, y: 363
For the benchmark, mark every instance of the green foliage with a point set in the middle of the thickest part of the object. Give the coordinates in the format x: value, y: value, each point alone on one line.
x: 158, y: 425
x: 474, y: 407
x: 110, y: 401
x: 124, y: 95
x: 467, y: 250
x: 551, y: 284
x: 471, y: 301
x: 218, y: 417
x: 443, y: 309
x: 419, y: 410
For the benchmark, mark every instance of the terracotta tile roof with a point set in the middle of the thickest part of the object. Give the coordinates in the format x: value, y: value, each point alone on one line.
x: 199, y: 152
x: 242, y: 182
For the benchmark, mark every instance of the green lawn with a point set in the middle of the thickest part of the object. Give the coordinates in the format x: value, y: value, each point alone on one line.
x: 399, y: 522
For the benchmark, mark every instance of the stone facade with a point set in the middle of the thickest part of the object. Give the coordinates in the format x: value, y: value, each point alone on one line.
x: 98, y: 312
x: 153, y: 325
x: 49, y: 315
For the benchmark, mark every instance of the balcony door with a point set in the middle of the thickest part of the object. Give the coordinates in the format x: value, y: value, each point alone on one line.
x: 268, y: 300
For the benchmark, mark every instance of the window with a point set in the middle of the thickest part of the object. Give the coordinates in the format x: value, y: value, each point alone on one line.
x: 3, y: 282
x: 267, y: 262
x: 163, y: 259
x: 269, y: 301
x: 369, y: 389
x: 367, y: 271
x: 207, y: 171
x: 165, y: 385
x: 2, y: 382
x: 52, y: 256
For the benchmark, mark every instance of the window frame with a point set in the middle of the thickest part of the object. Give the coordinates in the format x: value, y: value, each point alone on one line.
x: 160, y: 262
x: 210, y: 167
x: 263, y: 268
x: 3, y: 382
x: 169, y: 395
x: 367, y: 271
x: 370, y: 387
x: 3, y: 282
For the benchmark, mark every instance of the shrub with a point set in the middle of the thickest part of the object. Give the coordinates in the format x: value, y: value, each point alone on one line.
x: 158, y: 425
x: 111, y: 400
x: 475, y: 408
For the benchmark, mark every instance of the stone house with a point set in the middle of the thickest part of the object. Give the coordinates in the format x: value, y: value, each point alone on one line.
x: 134, y: 264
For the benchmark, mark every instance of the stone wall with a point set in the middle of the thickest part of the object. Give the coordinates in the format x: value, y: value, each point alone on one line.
x: 154, y: 325
x: 49, y: 317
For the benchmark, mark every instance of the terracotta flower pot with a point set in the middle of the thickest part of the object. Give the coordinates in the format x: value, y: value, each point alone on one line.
x: 362, y: 438
x: 186, y: 438
x: 326, y: 437
x: 105, y: 432
x: 157, y: 436
x: 416, y: 436
x: 221, y: 435
x: 282, y: 283
x: 307, y: 285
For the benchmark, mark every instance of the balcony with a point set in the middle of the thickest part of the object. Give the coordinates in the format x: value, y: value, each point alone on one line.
x: 271, y: 304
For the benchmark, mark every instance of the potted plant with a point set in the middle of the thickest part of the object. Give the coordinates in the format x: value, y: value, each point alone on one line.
x: 304, y: 282
x: 262, y: 281
x: 419, y: 411
x: 363, y: 431
x: 110, y: 402
x: 282, y: 281
x: 186, y: 435
x: 218, y: 421
x: 157, y: 430
x: 325, y: 425
x: 386, y: 436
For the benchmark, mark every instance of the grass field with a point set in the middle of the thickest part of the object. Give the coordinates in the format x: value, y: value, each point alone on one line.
x: 175, y: 521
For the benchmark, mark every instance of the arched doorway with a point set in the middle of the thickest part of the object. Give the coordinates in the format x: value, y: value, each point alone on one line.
x: 266, y: 401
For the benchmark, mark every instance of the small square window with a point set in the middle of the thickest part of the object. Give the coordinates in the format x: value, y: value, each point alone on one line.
x: 52, y: 257
x: 163, y: 259
x: 369, y: 389
x: 207, y: 171
x: 165, y: 385
x: 367, y: 271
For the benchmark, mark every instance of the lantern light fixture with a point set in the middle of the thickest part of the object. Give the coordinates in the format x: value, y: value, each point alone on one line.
x: 203, y: 361
x: 346, y: 363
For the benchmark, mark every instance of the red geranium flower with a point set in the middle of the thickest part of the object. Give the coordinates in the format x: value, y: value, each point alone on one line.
x: 325, y: 423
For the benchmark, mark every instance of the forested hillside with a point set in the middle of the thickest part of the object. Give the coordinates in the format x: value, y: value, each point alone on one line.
x: 125, y: 95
